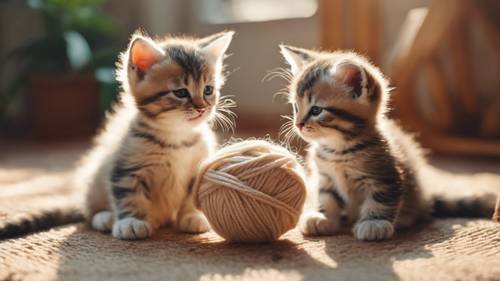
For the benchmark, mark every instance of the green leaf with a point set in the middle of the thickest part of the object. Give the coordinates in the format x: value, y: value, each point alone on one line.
x: 77, y: 50
x: 36, y: 4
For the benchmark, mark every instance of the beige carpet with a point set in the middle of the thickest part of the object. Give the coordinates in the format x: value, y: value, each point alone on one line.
x: 35, y: 180
x: 451, y: 249
x: 443, y: 250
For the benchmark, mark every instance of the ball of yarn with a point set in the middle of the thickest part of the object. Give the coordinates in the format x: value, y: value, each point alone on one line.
x: 251, y: 191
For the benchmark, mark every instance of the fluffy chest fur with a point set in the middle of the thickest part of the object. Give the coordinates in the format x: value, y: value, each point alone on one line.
x: 341, y: 172
x: 163, y: 164
x: 343, y: 177
x: 357, y: 171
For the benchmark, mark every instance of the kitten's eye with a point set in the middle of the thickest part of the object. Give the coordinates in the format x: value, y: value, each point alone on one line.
x: 316, y: 110
x: 181, y: 93
x: 208, y: 90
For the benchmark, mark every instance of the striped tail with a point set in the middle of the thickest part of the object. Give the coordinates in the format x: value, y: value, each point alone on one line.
x: 46, y: 219
x: 465, y: 207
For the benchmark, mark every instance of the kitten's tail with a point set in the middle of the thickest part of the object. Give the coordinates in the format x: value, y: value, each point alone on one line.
x: 46, y: 219
x: 464, y: 207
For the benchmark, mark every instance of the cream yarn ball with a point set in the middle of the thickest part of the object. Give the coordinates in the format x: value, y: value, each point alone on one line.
x: 251, y: 191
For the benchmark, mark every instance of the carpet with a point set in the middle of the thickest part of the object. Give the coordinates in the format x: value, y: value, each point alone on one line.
x: 450, y: 249
x: 443, y: 249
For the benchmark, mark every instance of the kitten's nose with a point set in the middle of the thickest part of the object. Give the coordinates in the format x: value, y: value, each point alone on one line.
x: 299, y: 125
x: 201, y: 110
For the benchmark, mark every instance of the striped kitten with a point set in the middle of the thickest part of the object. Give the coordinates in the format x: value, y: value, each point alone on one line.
x: 362, y: 165
x: 139, y: 173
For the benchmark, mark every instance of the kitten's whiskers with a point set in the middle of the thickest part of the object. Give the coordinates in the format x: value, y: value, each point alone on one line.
x: 287, y: 131
x: 284, y: 74
x: 224, y: 118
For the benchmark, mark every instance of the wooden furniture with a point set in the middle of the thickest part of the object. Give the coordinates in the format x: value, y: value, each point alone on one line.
x: 434, y: 56
x: 460, y: 120
x: 351, y: 24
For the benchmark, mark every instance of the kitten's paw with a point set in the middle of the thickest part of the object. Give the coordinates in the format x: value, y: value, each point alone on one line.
x: 373, y: 230
x: 317, y: 224
x: 193, y: 223
x: 132, y: 229
x: 102, y: 221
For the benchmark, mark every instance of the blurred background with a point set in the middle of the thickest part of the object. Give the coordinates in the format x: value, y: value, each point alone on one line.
x: 442, y: 56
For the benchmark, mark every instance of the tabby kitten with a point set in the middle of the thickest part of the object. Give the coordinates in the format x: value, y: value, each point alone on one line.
x: 362, y: 166
x: 138, y: 174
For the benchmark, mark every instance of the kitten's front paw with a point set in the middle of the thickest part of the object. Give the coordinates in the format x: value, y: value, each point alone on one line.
x: 132, y: 229
x: 317, y: 224
x: 193, y: 223
x: 102, y: 221
x: 373, y: 230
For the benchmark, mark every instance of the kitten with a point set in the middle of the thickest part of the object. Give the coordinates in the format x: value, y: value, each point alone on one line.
x: 138, y: 174
x: 362, y: 166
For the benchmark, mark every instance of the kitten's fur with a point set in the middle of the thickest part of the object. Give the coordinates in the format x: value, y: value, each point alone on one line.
x: 139, y: 173
x: 361, y: 164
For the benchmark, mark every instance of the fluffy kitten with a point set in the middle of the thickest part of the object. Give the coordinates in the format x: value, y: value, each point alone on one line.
x: 138, y: 174
x: 362, y: 165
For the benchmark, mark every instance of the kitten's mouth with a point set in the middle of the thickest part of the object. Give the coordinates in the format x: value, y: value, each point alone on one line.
x: 198, y: 116
x: 306, y: 131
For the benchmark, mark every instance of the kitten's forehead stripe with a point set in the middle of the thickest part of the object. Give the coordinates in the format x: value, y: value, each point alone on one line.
x: 191, y: 62
x: 311, y: 77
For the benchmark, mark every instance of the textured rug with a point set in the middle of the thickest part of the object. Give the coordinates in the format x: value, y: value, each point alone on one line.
x: 38, y: 203
x: 444, y: 249
x: 452, y: 249
x: 35, y: 186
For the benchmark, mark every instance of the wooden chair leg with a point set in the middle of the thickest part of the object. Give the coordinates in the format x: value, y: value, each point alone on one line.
x: 496, y: 215
x: 442, y: 113
x: 332, y: 24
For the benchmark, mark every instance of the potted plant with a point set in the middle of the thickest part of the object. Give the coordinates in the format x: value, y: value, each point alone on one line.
x: 56, y: 72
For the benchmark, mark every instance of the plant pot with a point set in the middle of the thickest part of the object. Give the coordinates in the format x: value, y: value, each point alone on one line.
x: 63, y: 106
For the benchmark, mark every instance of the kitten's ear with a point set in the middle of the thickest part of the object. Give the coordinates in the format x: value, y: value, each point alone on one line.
x: 144, y: 53
x: 296, y: 57
x: 353, y: 76
x: 215, y: 46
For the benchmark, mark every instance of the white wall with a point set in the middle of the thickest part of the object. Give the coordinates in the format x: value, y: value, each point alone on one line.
x: 254, y: 49
x: 255, y: 52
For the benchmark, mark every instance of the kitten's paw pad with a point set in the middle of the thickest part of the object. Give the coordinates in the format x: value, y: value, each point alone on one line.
x: 193, y: 223
x: 371, y: 230
x: 317, y: 224
x: 102, y: 221
x: 132, y: 229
